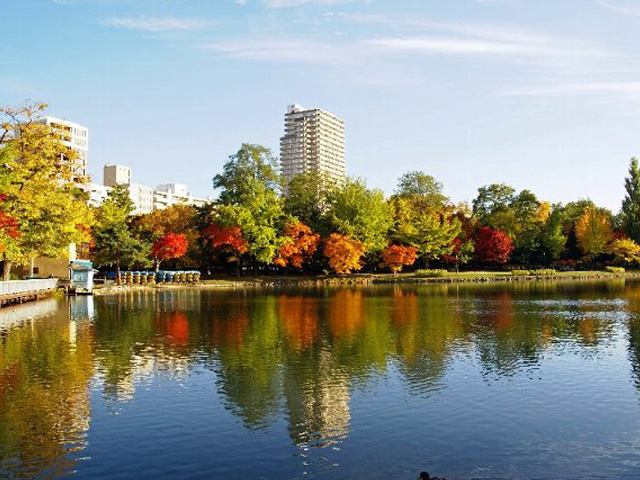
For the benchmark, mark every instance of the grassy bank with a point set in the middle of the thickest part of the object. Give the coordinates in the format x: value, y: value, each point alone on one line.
x: 435, y: 277
x: 381, y: 278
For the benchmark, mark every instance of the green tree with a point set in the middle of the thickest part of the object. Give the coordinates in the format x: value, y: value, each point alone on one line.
x: 41, y: 189
x: 553, y: 238
x: 361, y: 213
x: 250, y: 199
x: 115, y: 242
x: 631, y: 203
x: 250, y: 166
x: 416, y: 222
x: 307, y: 199
x: 419, y: 184
x: 492, y: 199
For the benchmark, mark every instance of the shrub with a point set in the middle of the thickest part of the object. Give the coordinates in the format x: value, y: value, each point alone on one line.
x: 544, y: 272
x: 615, y: 269
x: 521, y: 273
x: 431, y: 273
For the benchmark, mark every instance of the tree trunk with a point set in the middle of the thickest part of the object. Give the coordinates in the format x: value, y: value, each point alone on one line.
x: 156, y: 265
x: 6, y: 269
x: 31, y: 268
x: 118, y: 278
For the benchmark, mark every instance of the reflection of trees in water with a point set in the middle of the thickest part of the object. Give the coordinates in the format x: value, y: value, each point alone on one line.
x: 426, y: 330
x: 304, y: 351
x: 300, y: 319
x: 140, y: 333
x: 633, y: 310
x: 249, y: 367
x: 45, y: 368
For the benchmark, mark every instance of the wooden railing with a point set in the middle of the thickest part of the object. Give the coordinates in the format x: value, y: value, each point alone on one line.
x: 16, y: 287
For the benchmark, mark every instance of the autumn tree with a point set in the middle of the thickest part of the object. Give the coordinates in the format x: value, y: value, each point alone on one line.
x: 461, y: 253
x: 492, y: 246
x: 344, y: 253
x: 625, y: 251
x: 41, y: 188
x: 300, y: 243
x: 631, y: 204
x: 228, y: 240
x: 593, y: 230
x: 397, y: 256
x: 167, y: 247
x: 249, y: 199
x: 8, y: 227
x: 176, y: 219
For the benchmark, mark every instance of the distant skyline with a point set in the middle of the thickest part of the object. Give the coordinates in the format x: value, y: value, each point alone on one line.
x: 541, y: 95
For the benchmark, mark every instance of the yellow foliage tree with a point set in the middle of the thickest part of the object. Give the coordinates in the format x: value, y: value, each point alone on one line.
x: 593, y: 231
x: 625, y: 251
x: 41, y: 187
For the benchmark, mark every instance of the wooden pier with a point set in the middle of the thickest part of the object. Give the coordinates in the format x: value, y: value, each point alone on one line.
x: 19, y: 291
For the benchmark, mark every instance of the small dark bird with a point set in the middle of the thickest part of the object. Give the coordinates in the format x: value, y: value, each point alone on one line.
x: 426, y: 476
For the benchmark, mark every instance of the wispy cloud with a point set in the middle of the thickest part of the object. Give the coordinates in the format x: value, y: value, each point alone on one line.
x: 285, y: 49
x: 563, y: 89
x: 625, y: 8
x: 296, y: 3
x: 476, y: 46
x: 155, y: 24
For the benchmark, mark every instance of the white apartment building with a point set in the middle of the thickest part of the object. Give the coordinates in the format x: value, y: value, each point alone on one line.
x: 145, y: 199
x: 313, y: 142
x: 174, y: 194
x: 74, y: 136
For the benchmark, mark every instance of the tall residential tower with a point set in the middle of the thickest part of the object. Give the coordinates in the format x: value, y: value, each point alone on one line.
x: 313, y: 141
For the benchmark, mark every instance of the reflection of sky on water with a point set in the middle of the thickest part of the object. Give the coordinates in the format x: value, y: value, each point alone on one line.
x: 506, y: 381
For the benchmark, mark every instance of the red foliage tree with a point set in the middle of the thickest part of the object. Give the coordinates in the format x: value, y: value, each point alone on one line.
x: 226, y: 238
x: 396, y: 256
x: 492, y: 246
x: 8, y: 225
x: 171, y: 245
x: 301, y: 245
x: 344, y: 253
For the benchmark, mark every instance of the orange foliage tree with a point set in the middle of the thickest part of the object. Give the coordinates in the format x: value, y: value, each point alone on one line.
x: 171, y: 245
x: 396, y: 256
x: 344, y: 253
x: 301, y: 243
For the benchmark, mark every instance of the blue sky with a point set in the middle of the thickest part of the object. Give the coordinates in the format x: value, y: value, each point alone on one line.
x: 540, y: 94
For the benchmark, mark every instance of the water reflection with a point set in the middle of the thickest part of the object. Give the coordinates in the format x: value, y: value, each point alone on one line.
x: 297, y: 355
x: 46, y: 363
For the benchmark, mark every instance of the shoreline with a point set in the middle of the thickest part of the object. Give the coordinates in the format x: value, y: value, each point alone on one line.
x: 367, y: 280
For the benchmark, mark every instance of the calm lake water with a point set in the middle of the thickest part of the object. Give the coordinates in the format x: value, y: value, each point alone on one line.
x: 528, y: 381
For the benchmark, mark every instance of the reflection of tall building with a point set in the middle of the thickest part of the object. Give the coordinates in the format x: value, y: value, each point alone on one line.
x: 318, y: 406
